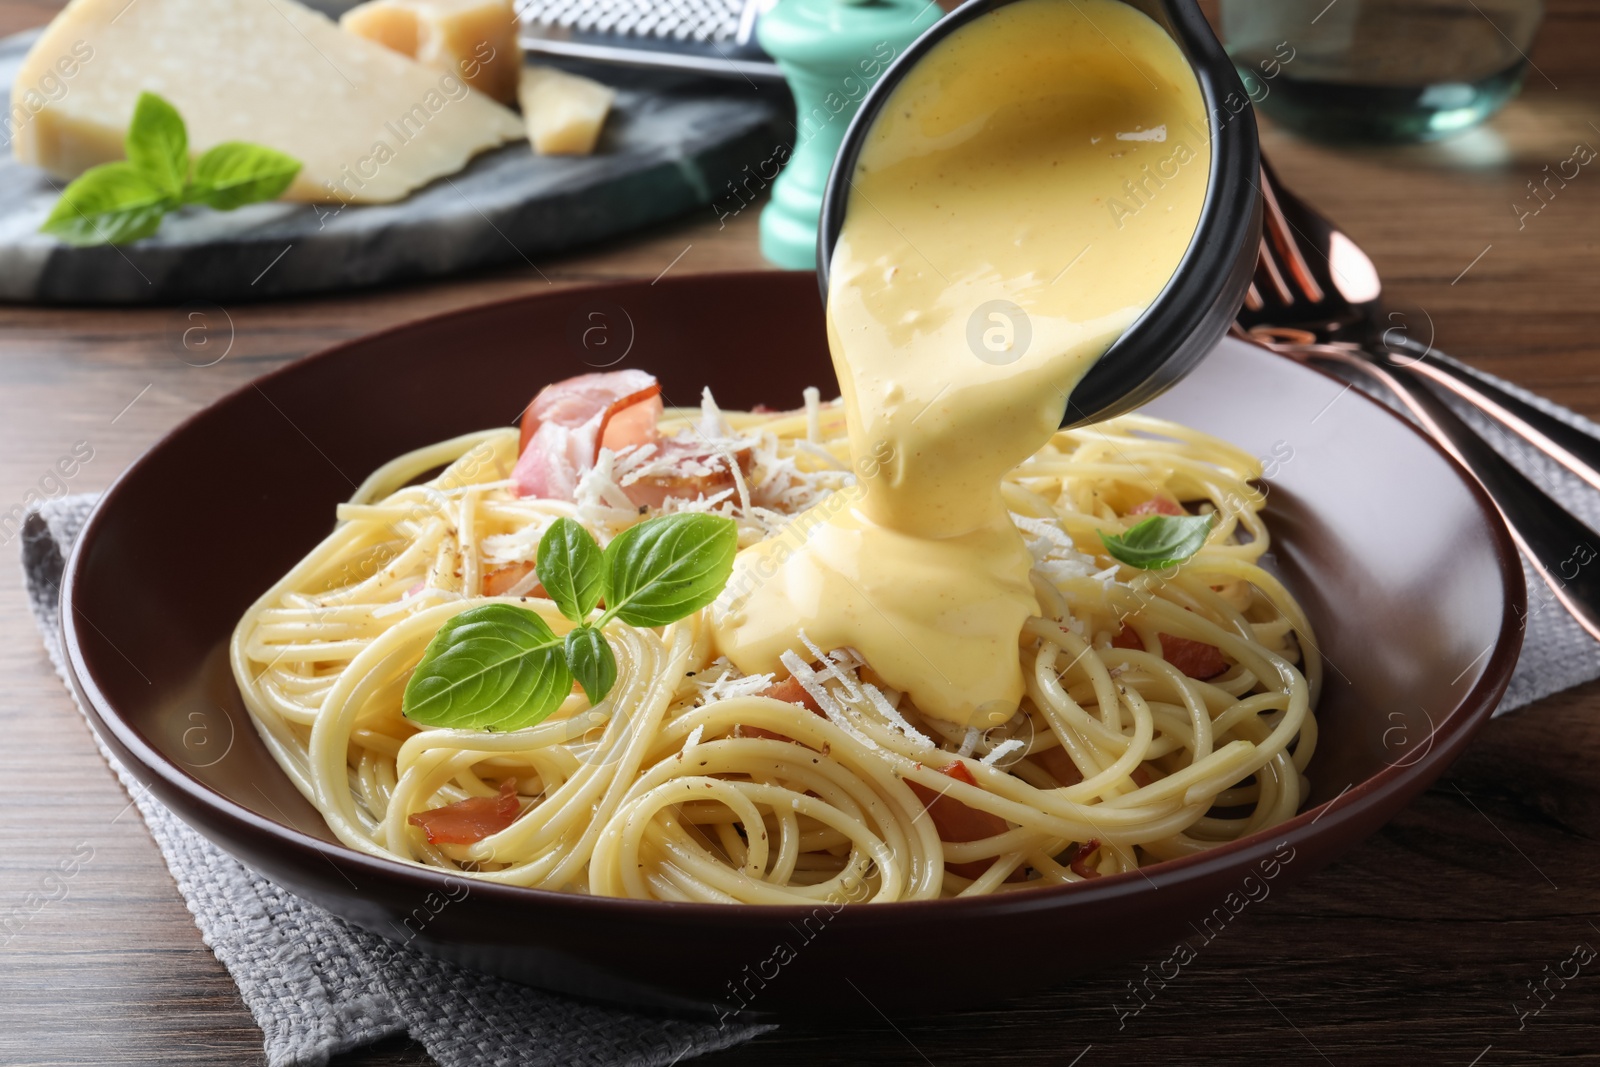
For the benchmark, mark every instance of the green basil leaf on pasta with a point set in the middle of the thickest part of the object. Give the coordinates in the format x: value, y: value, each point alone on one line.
x: 1160, y: 541
x: 113, y: 203
x: 571, y: 569
x: 236, y: 173
x: 158, y: 144
x: 665, y: 568
x: 592, y: 662
x: 495, y: 667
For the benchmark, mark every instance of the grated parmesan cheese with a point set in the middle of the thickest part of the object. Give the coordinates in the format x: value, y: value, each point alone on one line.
x: 841, y: 665
x: 1054, y: 554
x: 1000, y: 751
x: 519, y: 546
x: 811, y: 681
x: 602, y: 506
x: 729, y: 682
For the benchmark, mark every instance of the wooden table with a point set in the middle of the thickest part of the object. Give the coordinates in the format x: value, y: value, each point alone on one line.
x: 1417, y: 948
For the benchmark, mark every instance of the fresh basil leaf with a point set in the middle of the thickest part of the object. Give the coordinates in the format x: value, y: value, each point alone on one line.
x: 158, y: 144
x: 1160, y: 541
x: 235, y: 173
x: 664, y: 568
x: 495, y: 667
x: 592, y: 662
x: 113, y: 203
x: 571, y: 569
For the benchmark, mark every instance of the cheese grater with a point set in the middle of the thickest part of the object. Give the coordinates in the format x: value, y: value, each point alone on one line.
x: 715, y: 37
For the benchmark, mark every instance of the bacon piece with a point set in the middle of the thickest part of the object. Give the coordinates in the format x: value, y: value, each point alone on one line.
x: 466, y: 822
x: 1080, y: 859
x: 630, y: 422
x: 566, y: 425
x: 656, y: 489
x: 501, y: 580
x: 957, y: 822
x: 790, y: 691
x: 1197, y: 659
x: 1157, y: 505
x: 1194, y: 658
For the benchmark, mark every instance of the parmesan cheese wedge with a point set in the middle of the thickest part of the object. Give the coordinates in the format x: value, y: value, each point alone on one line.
x: 368, y: 125
x: 476, y: 39
x: 564, y: 112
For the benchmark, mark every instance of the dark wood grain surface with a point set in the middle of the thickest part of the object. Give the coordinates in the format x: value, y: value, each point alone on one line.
x: 1422, y: 947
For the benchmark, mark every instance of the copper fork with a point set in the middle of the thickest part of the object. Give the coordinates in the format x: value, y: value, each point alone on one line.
x: 1316, y: 296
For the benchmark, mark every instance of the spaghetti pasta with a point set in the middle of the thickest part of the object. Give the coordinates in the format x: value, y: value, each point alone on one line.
x: 691, y: 781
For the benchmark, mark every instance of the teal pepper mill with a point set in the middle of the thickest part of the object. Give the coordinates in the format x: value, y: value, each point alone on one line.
x: 832, y: 52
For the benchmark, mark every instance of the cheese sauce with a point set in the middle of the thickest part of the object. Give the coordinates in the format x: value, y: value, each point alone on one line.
x: 1023, y: 196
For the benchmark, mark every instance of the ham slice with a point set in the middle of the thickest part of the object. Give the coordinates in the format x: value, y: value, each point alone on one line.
x: 466, y: 822
x: 567, y: 424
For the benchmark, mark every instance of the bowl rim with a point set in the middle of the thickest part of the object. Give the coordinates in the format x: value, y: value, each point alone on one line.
x: 1449, y: 733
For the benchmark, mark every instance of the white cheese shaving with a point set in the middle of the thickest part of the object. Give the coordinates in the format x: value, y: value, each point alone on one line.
x: 813, y: 449
x: 969, y: 743
x: 1000, y: 751
x: 813, y: 414
x: 693, y: 740
x: 894, y: 718
x: 1155, y: 133
x: 712, y: 424
x: 841, y: 665
x: 728, y: 682
x: 519, y: 546
x: 1054, y: 554
x: 812, y: 683
x: 602, y: 506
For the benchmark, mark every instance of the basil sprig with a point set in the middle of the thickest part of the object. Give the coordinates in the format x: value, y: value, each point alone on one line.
x: 486, y: 668
x: 116, y: 203
x: 1160, y: 541
x: 501, y: 667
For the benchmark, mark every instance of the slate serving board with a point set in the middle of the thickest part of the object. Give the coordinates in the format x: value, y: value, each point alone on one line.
x: 671, y: 145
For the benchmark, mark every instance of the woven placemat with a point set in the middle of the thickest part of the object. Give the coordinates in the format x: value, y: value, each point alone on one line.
x: 317, y: 985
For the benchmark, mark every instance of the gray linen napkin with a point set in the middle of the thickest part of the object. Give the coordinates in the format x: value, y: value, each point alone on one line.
x: 317, y: 985
x: 1556, y: 652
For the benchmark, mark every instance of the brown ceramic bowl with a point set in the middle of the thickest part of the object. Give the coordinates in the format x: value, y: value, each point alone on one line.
x: 1413, y: 586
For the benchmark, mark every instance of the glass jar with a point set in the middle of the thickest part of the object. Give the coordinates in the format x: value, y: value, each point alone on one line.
x: 1381, y: 70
